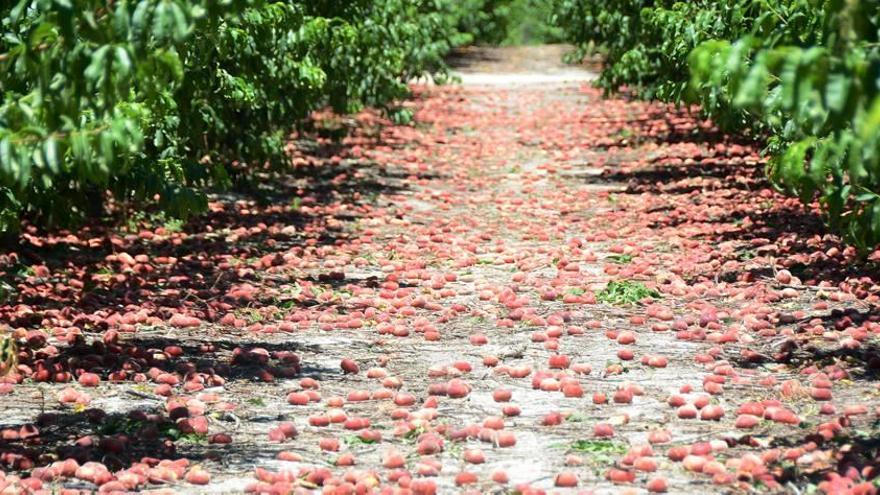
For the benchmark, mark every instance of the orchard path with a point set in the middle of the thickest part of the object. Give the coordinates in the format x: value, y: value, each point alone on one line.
x: 466, y: 255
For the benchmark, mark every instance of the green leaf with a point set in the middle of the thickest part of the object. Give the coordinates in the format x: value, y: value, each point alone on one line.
x: 123, y: 61
x: 837, y: 91
x: 94, y: 73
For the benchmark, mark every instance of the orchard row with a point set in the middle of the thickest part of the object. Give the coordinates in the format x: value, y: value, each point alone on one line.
x: 134, y: 101
x: 801, y: 73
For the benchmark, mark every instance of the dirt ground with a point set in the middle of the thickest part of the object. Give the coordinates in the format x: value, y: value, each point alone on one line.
x: 467, y: 251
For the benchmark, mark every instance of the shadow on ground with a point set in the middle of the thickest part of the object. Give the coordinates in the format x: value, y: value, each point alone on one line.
x: 730, y: 178
x: 70, y: 276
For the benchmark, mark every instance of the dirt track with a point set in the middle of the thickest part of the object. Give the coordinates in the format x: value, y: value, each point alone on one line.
x: 488, y: 229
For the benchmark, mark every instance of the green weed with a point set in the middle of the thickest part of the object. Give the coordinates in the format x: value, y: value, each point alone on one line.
x: 620, y: 259
x: 620, y: 292
x: 598, y: 447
